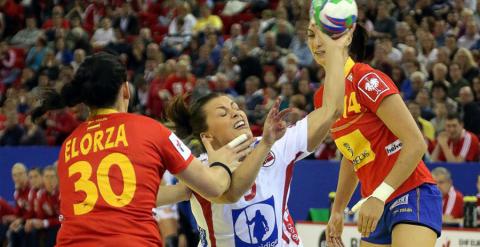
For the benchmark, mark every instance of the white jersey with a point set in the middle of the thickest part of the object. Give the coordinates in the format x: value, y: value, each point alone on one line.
x: 261, y: 216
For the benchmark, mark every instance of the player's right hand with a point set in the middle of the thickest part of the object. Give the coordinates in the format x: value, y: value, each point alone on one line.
x: 230, y: 156
x: 334, y: 230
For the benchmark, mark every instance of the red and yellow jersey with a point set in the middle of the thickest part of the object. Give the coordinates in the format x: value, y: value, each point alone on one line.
x: 362, y: 137
x: 109, y: 171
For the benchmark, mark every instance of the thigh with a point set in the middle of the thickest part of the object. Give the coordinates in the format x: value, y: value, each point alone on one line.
x: 406, y: 235
x: 367, y: 244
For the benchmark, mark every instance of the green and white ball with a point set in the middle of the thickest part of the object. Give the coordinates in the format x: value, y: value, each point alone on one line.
x: 334, y: 17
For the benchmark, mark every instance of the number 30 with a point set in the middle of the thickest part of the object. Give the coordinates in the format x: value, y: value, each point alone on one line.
x: 103, y: 182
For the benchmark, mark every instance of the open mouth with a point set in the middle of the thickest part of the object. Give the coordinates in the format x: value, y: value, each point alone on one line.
x: 239, y: 124
x: 319, y: 53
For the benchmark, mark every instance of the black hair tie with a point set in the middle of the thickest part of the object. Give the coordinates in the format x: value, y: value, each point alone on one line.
x: 224, y: 167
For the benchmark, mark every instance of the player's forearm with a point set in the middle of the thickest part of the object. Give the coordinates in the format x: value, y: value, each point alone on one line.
x: 410, y: 155
x: 435, y: 153
x: 334, y: 81
x: 347, y: 182
x: 319, y: 123
x: 244, y: 176
x: 171, y: 194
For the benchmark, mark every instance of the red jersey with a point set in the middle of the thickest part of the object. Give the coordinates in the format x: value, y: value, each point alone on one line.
x: 362, y: 137
x: 47, y: 207
x: 22, y: 206
x: 109, y: 171
x: 179, y: 85
x: 32, y: 198
x: 452, y: 203
x: 5, y: 209
x: 467, y: 147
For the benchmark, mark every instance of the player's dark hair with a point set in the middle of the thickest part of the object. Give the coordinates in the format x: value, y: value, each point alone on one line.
x: 453, y: 116
x: 189, y: 119
x: 358, y: 47
x: 96, y: 83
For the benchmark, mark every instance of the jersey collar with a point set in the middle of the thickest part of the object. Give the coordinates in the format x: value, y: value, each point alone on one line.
x: 348, y: 66
x: 102, y: 111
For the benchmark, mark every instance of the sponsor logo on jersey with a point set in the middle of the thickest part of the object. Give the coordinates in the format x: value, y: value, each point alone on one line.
x: 400, y: 201
x: 269, y: 160
x: 256, y: 225
x: 355, y: 147
x: 393, y: 147
x: 203, y: 237
x: 372, y: 86
x: 179, y: 146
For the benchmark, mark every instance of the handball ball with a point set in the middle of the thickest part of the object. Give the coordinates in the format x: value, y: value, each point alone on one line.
x: 334, y: 17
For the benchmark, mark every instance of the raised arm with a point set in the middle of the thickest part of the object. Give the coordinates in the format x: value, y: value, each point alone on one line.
x: 320, y: 120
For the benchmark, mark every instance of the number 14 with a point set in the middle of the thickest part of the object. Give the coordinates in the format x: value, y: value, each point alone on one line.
x: 351, y: 104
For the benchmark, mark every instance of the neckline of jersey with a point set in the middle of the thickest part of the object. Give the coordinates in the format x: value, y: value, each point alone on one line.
x: 102, y: 111
x: 348, y: 66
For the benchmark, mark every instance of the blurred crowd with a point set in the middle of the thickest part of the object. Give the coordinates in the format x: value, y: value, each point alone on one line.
x: 253, y: 50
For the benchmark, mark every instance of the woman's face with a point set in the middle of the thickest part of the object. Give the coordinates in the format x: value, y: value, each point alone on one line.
x: 314, y: 43
x: 225, y: 120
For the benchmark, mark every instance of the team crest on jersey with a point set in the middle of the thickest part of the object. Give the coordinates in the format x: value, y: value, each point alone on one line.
x: 179, y: 146
x: 269, y: 160
x: 372, y: 86
x: 256, y: 225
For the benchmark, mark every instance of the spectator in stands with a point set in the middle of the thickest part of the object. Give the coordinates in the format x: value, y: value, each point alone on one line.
x: 427, y: 128
x: 235, y: 38
x: 298, y: 103
x: 78, y: 58
x: 440, y: 72
x: 126, y: 21
x: 137, y: 57
x: 77, y: 37
x: 47, y: 208
x: 270, y: 53
x: 8, y: 61
x: 428, y: 51
x: 12, y: 133
x: 456, y: 79
x: 223, y: 85
x: 470, y: 110
x: 384, y: 25
x: 36, y: 54
x: 452, y: 198
x: 456, y: 144
x: 62, y: 53
x: 393, y: 54
x: 249, y: 66
x: 440, y: 118
x: 439, y: 95
x: 184, y: 22
x: 299, y: 46
x: 22, y: 207
x: 94, y: 12
x: 425, y: 102
x: 28, y: 36
x: 471, y: 36
x: 290, y: 75
x: 181, y: 82
x: 103, y: 35
x: 33, y: 134
x: 411, y: 88
x: 57, y: 26
x: 283, y: 35
x: 469, y: 67
x: 206, y: 19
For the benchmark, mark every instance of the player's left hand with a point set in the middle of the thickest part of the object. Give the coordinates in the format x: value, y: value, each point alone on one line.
x: 275, y: 125
x: 370, y: 212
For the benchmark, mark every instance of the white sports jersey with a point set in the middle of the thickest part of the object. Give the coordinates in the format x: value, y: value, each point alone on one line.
x: 260, y: 217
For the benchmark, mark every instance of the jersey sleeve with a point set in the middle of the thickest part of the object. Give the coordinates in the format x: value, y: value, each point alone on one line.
x: 175, y: 155
x: 293, y: 145
x: 372, y: 87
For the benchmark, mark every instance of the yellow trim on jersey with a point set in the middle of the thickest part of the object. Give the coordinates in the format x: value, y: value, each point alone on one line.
x: 348, y: 67
x: 102, y: 111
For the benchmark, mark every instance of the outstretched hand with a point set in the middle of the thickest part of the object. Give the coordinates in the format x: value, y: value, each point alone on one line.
x: 275, y: 125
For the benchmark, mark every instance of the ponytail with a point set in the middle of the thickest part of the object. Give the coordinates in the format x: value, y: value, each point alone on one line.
x: 189, y: 119
x: 179, y: 114
x: 358, y: 47
x: 96, y: 83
